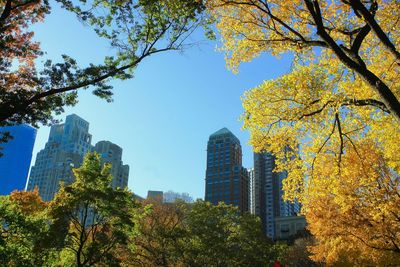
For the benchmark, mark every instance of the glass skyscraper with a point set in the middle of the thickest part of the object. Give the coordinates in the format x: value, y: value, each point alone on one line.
x: 16, y: 159
x: 226, y: 179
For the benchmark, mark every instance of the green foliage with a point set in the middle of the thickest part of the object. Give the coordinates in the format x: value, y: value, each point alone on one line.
x: 162, y: 235
x: 22, y: 235
x: 297, y: 254
x: 95, y: 217
x: 200, y: 234
x: 85, y: 225
x: 221, y: 236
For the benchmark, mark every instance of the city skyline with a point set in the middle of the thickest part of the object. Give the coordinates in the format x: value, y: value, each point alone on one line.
x: 92, y: 139
x: 162, y: 116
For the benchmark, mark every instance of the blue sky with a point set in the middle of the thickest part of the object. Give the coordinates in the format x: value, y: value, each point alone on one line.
x: 162, y: 118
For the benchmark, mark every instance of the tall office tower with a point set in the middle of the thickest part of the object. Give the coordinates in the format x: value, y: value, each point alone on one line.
x: 16, y: 159
x: 112, y: 153
x: 66, y: 147
x: 226, y: 179
x: 270, y: 193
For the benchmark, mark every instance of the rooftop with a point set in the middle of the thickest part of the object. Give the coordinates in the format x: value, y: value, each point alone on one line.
x: 221, y: 132
x: 224, y: 131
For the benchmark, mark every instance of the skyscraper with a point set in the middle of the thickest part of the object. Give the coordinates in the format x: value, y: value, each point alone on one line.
x: 16, y: 159
x: 66, y: 147
x: 226, y: 179
x: 268, y: 192
x: 112, y: 153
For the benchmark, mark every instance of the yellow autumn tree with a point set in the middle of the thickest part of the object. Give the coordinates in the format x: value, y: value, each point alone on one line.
x: 338, y: 106
x: 355, y: 216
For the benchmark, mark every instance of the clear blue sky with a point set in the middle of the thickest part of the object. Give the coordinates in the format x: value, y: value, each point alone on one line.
x: 162, y: 118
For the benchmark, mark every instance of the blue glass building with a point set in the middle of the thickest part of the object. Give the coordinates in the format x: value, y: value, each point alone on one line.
x: 226, y: 179
x: 16, y: 159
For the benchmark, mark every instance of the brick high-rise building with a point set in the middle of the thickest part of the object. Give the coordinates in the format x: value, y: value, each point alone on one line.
x: 226, y: 179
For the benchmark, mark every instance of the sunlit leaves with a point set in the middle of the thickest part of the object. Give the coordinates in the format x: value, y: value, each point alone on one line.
x: 321, y: 118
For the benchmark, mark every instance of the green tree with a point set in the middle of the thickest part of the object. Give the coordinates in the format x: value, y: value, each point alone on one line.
x: 24, y: 230
x: 218, y: 235
x: 298, y: 254
x: 200, y: 234
x: 95, y: 218
x: 161, y: 235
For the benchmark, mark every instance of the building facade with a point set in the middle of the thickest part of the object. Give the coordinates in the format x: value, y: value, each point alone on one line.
x: 16, y: 159
x: 65, y: 149
x: 286, y: 227
x: 112, y: 153
x: 268, y: 193
x: 226, y: 179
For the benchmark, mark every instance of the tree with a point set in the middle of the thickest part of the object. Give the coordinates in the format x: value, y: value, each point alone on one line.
x: 24, y: 230
x: 340, y: 101
x: 200, y: 234
x: 355, y: 217
x: 354, y: 33
x: 220, y: 236
x: 161, y: 235
x: 298, y: 254
x: 134, y: 29
x: 95, y: 218
x: 86, y: 224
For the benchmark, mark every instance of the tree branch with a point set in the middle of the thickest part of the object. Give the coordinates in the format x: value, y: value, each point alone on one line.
x: 388, y: 97
x: 341, y: 140
x: 369, y: 18
x: 6, y: 12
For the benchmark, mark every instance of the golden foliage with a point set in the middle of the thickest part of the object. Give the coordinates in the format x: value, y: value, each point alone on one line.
x: 29, y: 202
x: 355, y: 216
x: 342, y: 133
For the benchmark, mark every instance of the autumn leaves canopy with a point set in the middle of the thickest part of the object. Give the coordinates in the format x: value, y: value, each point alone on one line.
x: 337, y: 111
